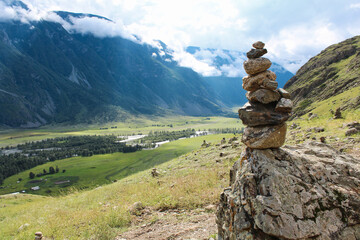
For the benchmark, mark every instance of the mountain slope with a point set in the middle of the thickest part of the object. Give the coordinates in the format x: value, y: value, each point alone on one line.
x: 333, y: 72
x: 49, y: 74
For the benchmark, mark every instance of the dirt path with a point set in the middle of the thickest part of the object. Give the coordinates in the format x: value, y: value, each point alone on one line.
x: 173, y: 224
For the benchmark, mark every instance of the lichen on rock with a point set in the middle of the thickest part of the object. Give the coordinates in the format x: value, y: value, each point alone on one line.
x: 307, y: 191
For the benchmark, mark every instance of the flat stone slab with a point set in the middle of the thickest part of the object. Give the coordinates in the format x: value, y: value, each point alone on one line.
x: 264, y: 96
x: 256, y: 53
x: 256, y: 114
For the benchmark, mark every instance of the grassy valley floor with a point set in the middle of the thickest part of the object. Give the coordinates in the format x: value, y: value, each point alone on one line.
x: 140, y: 125
x: 97, y: 170
x: 178, y: 204
x: 187, y: 188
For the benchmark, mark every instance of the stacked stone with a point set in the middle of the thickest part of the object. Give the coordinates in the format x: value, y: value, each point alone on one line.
x: 268, y: 107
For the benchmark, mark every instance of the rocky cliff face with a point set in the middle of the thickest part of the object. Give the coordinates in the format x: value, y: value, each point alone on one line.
x: 308, y: 191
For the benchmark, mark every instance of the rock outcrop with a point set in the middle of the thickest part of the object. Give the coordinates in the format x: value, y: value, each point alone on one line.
x: 308, y: 191
x: 268, y: 108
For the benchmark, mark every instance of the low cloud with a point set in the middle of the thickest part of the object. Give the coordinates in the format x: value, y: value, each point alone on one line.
x: 17, y: 13
x: 185, y: 59
x: 98, y: 27
x: 223, y: 63
x: 295, y: 45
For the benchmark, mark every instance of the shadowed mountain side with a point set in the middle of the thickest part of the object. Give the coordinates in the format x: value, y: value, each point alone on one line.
x: 49, y: 75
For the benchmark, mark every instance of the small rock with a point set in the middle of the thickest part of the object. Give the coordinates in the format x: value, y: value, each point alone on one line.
x: 24, y: 226
x: 264, y: 137
x: 284, y: 105
x: 254, y: 82
x: 264, y: 96
x: 256, y: 53
x: 284, y: 93
x: 205, y: 144
x: 225, y: 146
x: 38, y: 235
x: 293, y: 126
x: 235, y: 144
x: 136, y: 207
x: 353, y: 125
x: 210, y: 207
x: 312, y: 116
x: 154, y: 172
x: 232, y: 139
x: 319, y: 129
x: 337, y: 114
x: 351, y: 131
x: 257, y: 65
x: 269, y: 84
x: 258, y: 45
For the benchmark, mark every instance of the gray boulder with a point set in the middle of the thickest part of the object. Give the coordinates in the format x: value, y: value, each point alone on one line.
x: 308, y: 191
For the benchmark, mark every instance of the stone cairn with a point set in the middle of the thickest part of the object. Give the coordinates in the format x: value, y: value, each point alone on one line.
x: 268, y: 107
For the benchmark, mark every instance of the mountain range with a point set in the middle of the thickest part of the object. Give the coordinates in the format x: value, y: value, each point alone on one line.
x: 49, y: 74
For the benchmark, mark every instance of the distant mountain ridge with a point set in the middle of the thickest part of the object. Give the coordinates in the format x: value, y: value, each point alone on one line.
x: 49, y: 75
x: 229, y: 65
x: 334, y: 71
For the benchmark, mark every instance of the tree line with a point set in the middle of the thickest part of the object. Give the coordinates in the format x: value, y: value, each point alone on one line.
x: 37, y: 153
x: 160, y: 136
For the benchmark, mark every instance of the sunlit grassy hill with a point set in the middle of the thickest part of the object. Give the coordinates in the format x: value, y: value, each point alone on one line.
x: 191, y: 181
x: 329, y: 80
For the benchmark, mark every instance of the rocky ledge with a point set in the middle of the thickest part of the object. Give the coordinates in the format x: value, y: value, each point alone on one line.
x: 308, y: 191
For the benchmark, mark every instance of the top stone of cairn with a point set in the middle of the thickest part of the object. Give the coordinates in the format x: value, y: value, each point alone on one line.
x: 258, y: 45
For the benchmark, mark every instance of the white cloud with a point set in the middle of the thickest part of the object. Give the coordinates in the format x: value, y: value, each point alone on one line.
x: 98, y: 27
x: 355, y: 5
x: 230, y: 65
x: 85, y: 25
x: 187, y: 60
x: 299, y: 43
x: 293, y: 30
x: 20, y: 14
x: 6, y: 13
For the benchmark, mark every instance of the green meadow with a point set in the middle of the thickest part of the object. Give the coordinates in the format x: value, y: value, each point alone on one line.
x: 90, y: 172
x: 190, y: 182
x: 132, y: 126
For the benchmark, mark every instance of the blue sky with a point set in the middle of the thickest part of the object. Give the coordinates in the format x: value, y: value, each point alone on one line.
x: 293, y: 30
